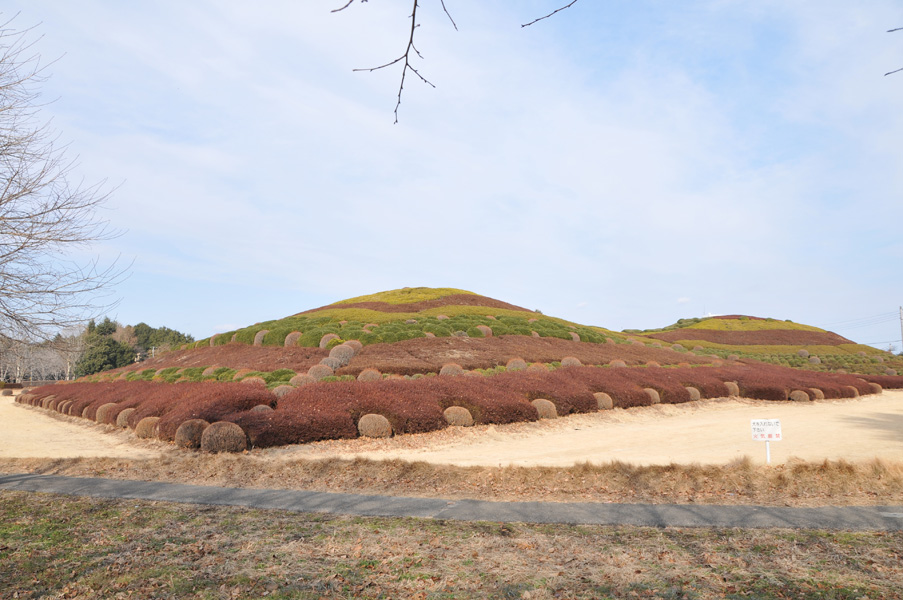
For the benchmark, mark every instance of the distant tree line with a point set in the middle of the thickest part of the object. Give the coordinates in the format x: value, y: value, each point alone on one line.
x: 97, y: 347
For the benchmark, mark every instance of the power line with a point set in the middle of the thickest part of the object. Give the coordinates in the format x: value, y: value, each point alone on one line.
x: 865, y: 321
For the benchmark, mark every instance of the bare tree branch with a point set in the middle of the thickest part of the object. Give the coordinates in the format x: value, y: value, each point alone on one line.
x: 44, y: 215
x: 900, y: 69
x: 406, y: 57
x: 557, y: 10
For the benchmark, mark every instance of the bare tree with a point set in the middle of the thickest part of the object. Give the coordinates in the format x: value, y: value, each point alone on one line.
x: 406, y: 57
x: 45, y: 216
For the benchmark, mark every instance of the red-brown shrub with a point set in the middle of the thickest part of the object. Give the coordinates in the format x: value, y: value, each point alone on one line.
x: 369, y: 375
x: 451, y: 369
x: 374, y: 426
x: 343, y: 353
x: 324, y: 341
x: 299, y: 380
x: 320, y: 371
x: 189, y: 433
x: 570, y: 361
x: 799, y: 396
x: 516, y: 364
x: 458, y: 416
x: 212, y: 402
x: 223, y: 436
x: 545, y: 409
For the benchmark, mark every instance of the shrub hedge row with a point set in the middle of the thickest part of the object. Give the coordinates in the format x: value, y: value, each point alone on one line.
x: 318, y: 411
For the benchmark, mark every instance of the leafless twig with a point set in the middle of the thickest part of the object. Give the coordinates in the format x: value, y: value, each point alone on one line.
x: 557, y: 10
x: 900, y: 69
x: 406, y: 57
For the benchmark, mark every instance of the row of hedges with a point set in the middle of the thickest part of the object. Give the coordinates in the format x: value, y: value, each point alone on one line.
x: 320, y: 411
x: 368, y: 329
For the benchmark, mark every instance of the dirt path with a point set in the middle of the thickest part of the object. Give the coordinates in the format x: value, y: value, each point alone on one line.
x: 28, y: 432
x: 707, y: 432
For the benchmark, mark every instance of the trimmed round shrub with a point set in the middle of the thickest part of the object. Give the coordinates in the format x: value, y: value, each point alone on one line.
x: 545, y: 408
x: 653, y: 395
x: 684, y: 365
x: 652, y: 363
x: 189, y: 433
x: 799, y: 396
x: 85, y: 412
x: 7, y: 392
x: 324, y: 341
x: 890, y: 371
x: 694, y: 393
x: 292, y: 339
x: 458, y: 416
x: 282, y: 390
x: 355, y: 345
x: 374, y: 426
x: 429, y: 334
x: 486, y: 330
x: 147, y: 427
x: 410, y: 321
x: 441, y: 317
x: 516, y: 364
x: 677, y: 347
x: 803, y: 353
x: 239, y: 374
x: 538, y: 367
x: 303, y: 379
x: 604, y: 401
x: 534, y: 334
x: 880, y: 359
x: 258, y: 337
x: 209, y: 371
x: 332, y: 363
x: 122, y: 419
x: 254, y: 380
x: 263, y: 408
x: 609, y: 340
x: 733, y: 357
x: 617, y: 363
x: 732, y: 388
x: 571, y: 361
x: 817, y: 394
x: 320, y: 371
x: 698, y: 348
x: 853, y: 390
x: 369, y: 375
x: 451, y: 369
x: 343, y: 353
x: 574, y: 336
x: 224, y: 436
x: 876, y: 388
x: 63, y: 407
x: 460, y: 333
x: 104, y: 414
x: 814, y: 360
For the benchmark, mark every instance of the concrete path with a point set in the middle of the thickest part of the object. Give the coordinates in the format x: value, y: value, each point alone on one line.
x: 858, y: 518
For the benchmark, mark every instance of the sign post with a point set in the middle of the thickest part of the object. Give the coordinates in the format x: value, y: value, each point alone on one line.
x: 766, y: 430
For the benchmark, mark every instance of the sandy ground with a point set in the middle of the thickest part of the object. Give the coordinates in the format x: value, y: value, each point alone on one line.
x: 707, y: 432
x: 28, y: 432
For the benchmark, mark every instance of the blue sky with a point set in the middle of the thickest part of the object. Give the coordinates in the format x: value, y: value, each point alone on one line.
x: 623, y: 164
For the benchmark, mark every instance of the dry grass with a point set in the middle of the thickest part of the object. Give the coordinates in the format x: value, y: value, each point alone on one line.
x: 62, y: 547
x: 742, y: 482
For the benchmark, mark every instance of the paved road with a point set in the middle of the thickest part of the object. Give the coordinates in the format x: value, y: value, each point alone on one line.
x: 859, y: 518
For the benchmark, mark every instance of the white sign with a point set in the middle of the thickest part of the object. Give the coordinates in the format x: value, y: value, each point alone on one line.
x: 766, y: 430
